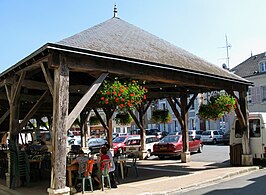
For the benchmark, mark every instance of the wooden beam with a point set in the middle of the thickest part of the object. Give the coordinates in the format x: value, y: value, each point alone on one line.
x: 100, y: 118
x: 48, y: 78
x: 8, y: 93
x: 176, y: 112
x: 4, y: 116
x: 147, y: 106
x: 31, y: 84
x: 84, y: 100
x: 191, y: 101
x: 135, y: 119
x: 18, y: 87
x: 177, y: 102
x: 238, y: 112
x: 33, y: 110
x: 148, y: 73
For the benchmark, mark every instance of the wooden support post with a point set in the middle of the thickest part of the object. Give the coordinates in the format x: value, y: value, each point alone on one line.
x: 185, y: 155
x: 140, y: 123
x: 13, y: 98
x: 59, y: 128
x: 247, y: 159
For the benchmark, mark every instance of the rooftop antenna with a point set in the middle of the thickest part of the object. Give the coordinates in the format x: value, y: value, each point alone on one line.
x: 227, y: 46
x: 115, y: 11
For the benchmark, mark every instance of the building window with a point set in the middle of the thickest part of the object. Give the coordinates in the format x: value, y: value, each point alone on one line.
x: 263, y: 93
x: 262, y: 66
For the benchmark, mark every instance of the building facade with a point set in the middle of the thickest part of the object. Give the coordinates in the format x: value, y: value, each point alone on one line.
x: 254, y: 69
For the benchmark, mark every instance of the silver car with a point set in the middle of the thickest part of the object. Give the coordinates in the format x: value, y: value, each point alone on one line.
x: 212, y: 136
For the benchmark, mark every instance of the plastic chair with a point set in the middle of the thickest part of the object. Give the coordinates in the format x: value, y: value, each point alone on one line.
x: 105, y: 173
x: 86, y: 175
x: 133, y: 164
x: 89, y: 167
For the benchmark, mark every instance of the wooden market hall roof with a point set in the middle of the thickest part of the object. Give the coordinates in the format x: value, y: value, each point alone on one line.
x: 123, y: 50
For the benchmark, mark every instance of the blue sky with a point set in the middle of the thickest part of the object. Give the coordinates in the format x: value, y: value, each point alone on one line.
x: 198, y: 26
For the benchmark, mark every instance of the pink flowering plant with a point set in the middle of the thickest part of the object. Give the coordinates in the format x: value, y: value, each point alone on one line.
x: 122, y: 95
x: 217, y: 107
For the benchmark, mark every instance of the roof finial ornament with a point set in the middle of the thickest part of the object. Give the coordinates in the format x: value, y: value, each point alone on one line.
x: 115, y: 11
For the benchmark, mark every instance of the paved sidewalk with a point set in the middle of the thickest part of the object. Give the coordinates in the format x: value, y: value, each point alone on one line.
x: 158, y: 177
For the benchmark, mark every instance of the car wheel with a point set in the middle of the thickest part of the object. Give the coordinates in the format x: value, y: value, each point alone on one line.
x: 200, y: 149
x: 214, y: 141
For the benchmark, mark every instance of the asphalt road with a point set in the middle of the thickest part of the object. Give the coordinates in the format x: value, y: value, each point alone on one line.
x: 211, y: 153
x: 250, y: 183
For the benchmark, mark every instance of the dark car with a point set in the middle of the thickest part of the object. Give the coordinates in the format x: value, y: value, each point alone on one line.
x: 95, y: 144
x: 172, y: 145
x: 226, y: 138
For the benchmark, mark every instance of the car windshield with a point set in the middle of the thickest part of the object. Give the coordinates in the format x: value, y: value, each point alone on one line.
x: 170, y: 139
x: 119, y: 140
x: 206, y: 133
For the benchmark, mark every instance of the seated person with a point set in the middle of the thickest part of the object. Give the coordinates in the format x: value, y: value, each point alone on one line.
x: 82, y: 161
x: 86, y: 167
x: 102, y: 160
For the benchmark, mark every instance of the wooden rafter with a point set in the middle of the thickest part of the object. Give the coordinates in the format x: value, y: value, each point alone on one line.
x: 48, y: 78
x: 176, y: 112
x: 191, y: 101
x: 33, y: 110
x: 18, y: 87
x: 4, y: 116
x: 100, y: 118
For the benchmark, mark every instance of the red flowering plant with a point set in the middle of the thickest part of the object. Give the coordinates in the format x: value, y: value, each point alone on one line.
x: 217, y: 107
x: 123, y: 95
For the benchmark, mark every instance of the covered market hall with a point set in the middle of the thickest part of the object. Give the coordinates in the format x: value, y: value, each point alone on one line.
x: 60, y: 81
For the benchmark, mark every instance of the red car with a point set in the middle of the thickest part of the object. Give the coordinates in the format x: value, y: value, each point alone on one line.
x: 172, y: 145
x: 119, y: 143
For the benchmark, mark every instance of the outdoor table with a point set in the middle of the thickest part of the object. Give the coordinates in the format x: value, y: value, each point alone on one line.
x: 122, y: 162
x: 71, y: 168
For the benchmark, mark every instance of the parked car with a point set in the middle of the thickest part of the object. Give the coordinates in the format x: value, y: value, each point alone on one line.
x: 226, y: 138
x: 133, y: 145
x: 95, y: 144
x: 212, y: 136
x: 172, y: 145
x: 155, y: 132
x: 196, y: 134
x: 114, y: 135
x: 119, y: 143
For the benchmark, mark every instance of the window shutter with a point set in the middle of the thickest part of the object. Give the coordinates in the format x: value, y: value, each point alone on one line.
x: 253, y: 95
x: 258, y: 99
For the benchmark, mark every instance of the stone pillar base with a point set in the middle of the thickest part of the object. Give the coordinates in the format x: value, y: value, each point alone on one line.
x: 247, y: 160
x: 142, y: 155
x: 62, y: 191
x: 8, y: 180
x: 185, y: 157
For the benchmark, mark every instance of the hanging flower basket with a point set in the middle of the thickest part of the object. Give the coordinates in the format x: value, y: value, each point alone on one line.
x: 123, y: 118
x: 161, y: 116
x: 122, y: 95
x: 217, y: 107
x: 94, y: 120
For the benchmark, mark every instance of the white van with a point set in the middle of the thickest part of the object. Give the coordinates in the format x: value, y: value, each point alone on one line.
x: 133, y: 147
x: 257, y: 133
